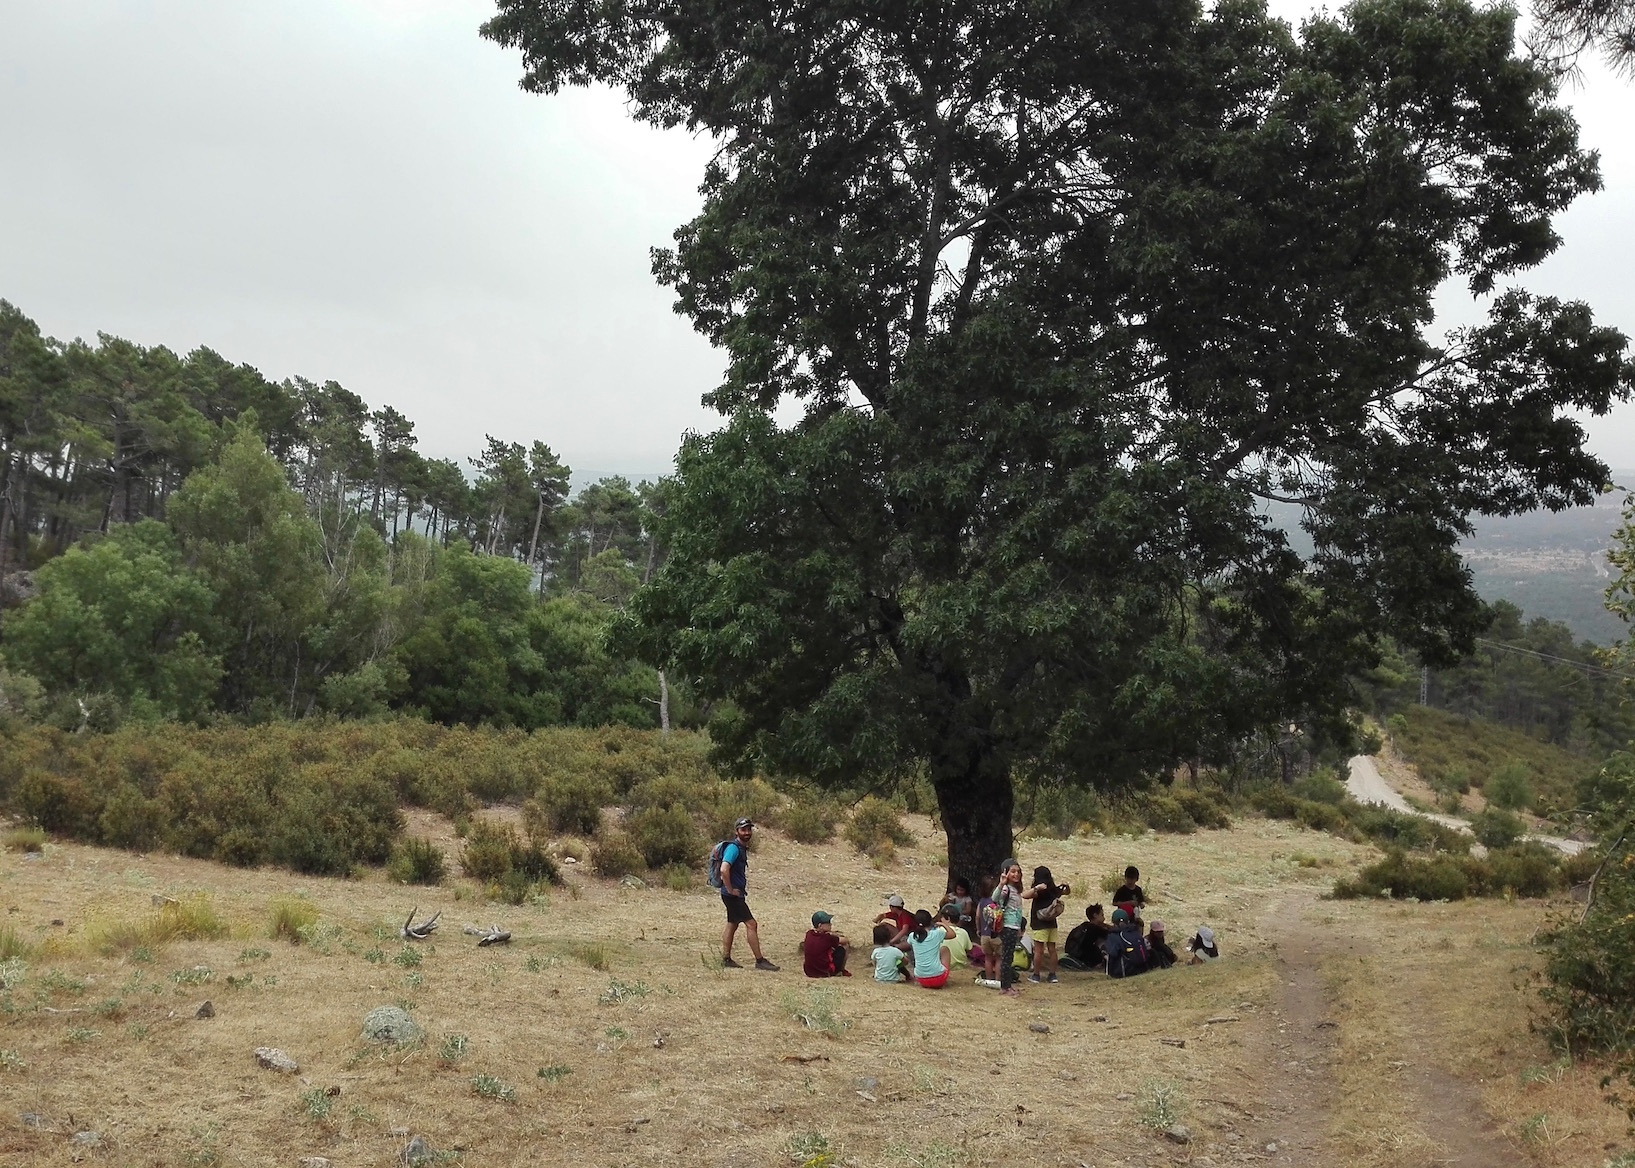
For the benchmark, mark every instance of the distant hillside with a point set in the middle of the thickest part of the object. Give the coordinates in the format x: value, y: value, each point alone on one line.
x: 1553, y: 564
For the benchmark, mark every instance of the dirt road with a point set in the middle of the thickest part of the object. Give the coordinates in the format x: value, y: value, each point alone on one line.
x: 1365, y: 784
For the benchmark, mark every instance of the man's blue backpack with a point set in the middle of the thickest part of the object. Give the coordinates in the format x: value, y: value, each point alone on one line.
x: 716, y: 854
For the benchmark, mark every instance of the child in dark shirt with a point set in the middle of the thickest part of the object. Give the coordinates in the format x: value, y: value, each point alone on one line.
x: 823, y: 952
x: 1083, y: 947
x: 1128, y: 896
x: 1159, y: 954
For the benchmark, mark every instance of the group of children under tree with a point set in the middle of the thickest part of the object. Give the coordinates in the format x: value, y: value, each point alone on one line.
x: 1011, y: 930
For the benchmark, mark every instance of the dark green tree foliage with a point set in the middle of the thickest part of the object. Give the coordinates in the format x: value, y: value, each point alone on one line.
x: 1069, y: 292
x: 1564, y: 29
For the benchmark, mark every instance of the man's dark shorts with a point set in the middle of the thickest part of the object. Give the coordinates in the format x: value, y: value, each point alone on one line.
x: 737, y: 910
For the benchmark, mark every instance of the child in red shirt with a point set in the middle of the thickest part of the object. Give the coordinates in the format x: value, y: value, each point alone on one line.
x: 823, y: 952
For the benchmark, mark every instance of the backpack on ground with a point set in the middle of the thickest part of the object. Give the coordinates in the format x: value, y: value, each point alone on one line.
x: 716, y: 854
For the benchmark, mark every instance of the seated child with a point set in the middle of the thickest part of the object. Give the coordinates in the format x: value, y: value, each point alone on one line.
x: 1159, y: 954
x: 959, y: 941
x: 963, y: 904
x: 1083, y: 947
x: 928, y: 943
x: 1202, y: 946
x: 900, y: 919
x: 888, y: 959
x: 1125, y: 947
x: 823, y: 952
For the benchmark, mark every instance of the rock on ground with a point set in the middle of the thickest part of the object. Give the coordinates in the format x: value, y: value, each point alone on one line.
x: 390, y: 1024
x: 276, y: 1060
x: 418, y: 1151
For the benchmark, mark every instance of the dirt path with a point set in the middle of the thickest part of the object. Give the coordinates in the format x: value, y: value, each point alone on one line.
x: 1288, y: 1120
x: 1365, y: 784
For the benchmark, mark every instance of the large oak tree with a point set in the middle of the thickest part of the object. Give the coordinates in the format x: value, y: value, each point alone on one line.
x: 1069, y: 293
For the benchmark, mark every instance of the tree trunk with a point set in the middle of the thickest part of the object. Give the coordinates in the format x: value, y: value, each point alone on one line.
x: 664, y: 704
x: 974, y: 797
x: 533, y: 544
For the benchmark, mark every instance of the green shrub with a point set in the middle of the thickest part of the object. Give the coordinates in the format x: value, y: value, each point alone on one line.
x: 1581, y: 868
x: 26, y: 839
x: 1206, y: 807
x: 1510, y: 787
x: 1528, y: 870
x: 569, y: 804
x: 417, y: 861
x: 1495, y: 828
x: 613, y: 856
x: 1321, y: 787
x: 488, y: 847
x: 665, y: 835
x: 1455, y: 780
x: 1165, y: 813
x: 679, y: 878
x: 1401, y: 876
x: 808, y: 821
x: 877, y: 826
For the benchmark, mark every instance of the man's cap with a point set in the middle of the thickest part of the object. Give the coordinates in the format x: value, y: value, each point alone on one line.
x: 821, y: 918
x: 1156, y: 927
x: 745, y: 822
x: 1206, y: 935
x: 894, y: 901
x: 1120, y: 917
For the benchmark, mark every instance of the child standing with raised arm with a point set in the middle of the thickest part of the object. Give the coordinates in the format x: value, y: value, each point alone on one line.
x: 1012, y: 920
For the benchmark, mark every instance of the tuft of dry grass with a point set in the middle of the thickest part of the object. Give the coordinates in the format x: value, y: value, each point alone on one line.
x: 288, y: 917
x: 190, y: 918
x: 25, y: 839
x: 12, y: 944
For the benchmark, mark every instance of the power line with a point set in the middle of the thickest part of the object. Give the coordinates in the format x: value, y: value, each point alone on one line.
x: 1559, y: 660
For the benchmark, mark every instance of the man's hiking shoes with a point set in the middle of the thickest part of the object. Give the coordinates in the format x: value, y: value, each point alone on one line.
x: 729, y: 963
x: 765, y: 966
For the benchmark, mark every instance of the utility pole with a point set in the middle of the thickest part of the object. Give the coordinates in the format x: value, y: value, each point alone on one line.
x: 1424, y: 685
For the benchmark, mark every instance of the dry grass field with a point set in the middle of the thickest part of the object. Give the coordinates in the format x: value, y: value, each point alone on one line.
x: 1331, y: 1032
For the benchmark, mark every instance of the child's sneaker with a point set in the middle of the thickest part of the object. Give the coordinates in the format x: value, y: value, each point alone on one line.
x: 845, y: 973
x: 765, y: 966
x: 1033, y: 978
x: 1051, y: 979
x: 729, y: 963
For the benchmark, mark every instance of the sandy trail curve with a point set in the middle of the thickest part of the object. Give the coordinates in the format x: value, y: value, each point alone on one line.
x: 1365, y: 784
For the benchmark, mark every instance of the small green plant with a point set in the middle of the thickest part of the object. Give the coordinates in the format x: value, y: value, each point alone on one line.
x: 108, y: 1008
x: 318, y: 1103
x: 488, y: 1087
x: 56, y: 981
x: 287, y: 916
x: 816, y: 1011
x: 532, y: 964
x: 810, y: 1150
x: 407, y: 957
x: 414, y: 980
x: 417, y: 861
x: 136, y: 1030
x: 142, y: 955
x: 375, y: 955
x: 81, y: 1034
x: 246, y: 956
x: 13, y: 972
x: 319, y: 936
x: 619, y: 991
x: 204, y: 1153
x: 1160, y: 1104
x: 240, y: 981
x: 25, y: 839
x: 453, y: 1048
x: 679, y: 878
x: 1549, y: 1073
x: 197, y: 975
x: 12, y: 944
x: 593, y: 954
x: 1535, y: 1129
x: 555, y: 1073
x: 10, y: 1060
x: 935, y: 1154
x: 617, y: 1033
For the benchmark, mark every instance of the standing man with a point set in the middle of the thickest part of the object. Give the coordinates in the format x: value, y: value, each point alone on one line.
x: 734, y: 877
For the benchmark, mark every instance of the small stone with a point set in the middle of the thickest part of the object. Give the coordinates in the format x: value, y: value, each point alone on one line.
x: 1124, y: 1096
x: 868, y: 1083
x: 56, y: 922
x: 636, y: 1123
x: 1272, y: 1147
x: 632, y: 882
x: 390, y: 1024
x: 314, y: 1162
x: 418, y: 1151
x: 1039, y: 1027
x: 1066, y: 1076
x: 775, y: 1108
x: 274, y: 1059
x: 1180, y: 1042
x: 867, y: 1097
x: 1179, y: 1134
x: 86, y: 1139
x: 205, y: 1011
x: 33, y: 1119
x: 397, y: 1133
x: 1098, y: 1017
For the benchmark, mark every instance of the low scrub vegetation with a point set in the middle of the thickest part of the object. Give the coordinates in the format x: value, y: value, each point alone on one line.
x: 1525, y: 870
x: 190, y: 918
x: 1454, y: 753
x: 417, y: 861
x: 289, y: 918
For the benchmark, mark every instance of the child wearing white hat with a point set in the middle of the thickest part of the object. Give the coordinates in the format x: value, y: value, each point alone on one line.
x: 1202, y: 946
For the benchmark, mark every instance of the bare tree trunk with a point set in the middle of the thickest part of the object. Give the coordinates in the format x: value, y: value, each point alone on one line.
x: 664, y: 704
x: 533, y: 544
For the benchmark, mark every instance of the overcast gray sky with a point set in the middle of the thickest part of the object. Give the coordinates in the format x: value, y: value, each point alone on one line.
x: 357, y: 190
